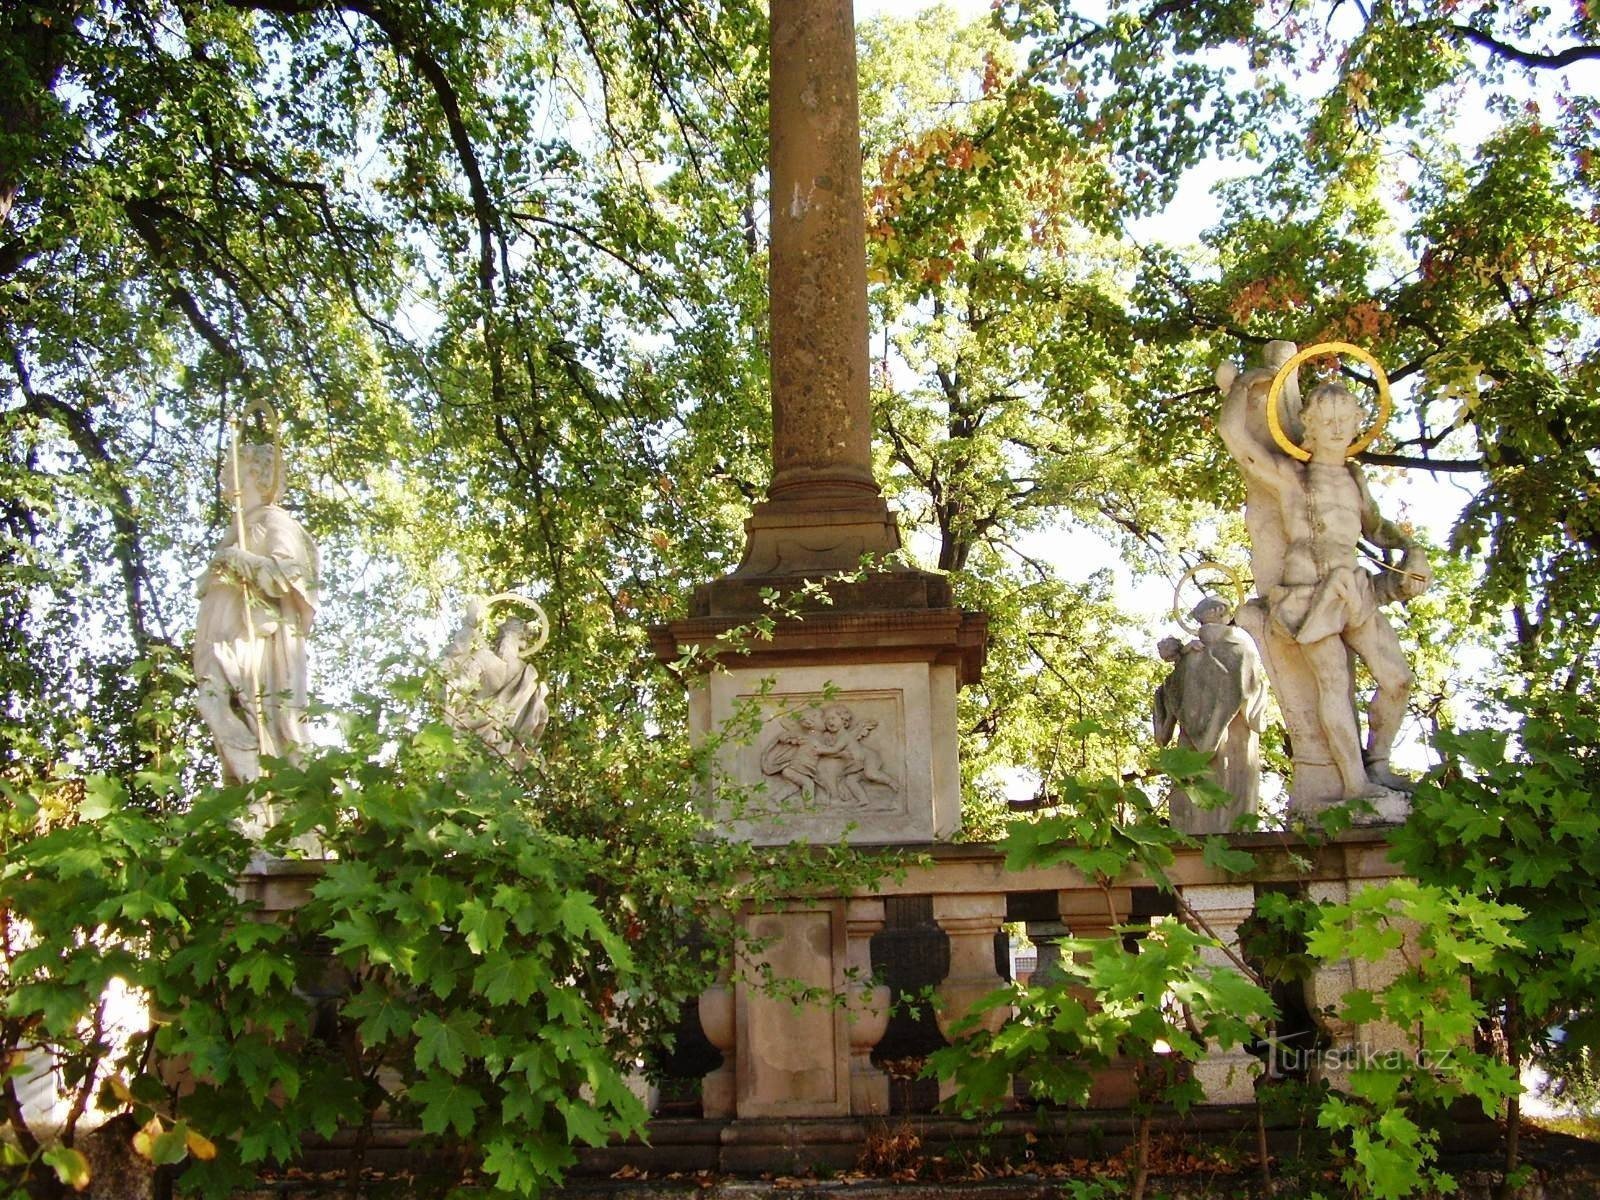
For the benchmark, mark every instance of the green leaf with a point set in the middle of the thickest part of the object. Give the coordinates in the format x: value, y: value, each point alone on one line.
x: 584, y: 1122
x: 381, y: 1015
x: 445, y: 1102
x: 445, y: 1041
x: 1222, y: 857
x: 102, y: 796
x: 508, y: 978
x: 71, y: 1168
x: 484, y: 927
x: 171, y: 1146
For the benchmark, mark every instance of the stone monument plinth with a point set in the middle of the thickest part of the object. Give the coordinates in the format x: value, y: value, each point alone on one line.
x: 847, y: 711
x: 855, y: 691
x: 857, y: 734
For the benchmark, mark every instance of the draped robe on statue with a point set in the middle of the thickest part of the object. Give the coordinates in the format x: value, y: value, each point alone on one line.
x: 241, y: 664
x: 1215, y: 701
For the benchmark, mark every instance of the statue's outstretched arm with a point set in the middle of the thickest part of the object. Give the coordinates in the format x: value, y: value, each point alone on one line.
x: 1415, y: 573
x: 1259, y: 460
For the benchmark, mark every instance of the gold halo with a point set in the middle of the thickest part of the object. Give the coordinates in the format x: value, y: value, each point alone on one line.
x: 274, y: 425
x: 1177, y: 607
x: 1275, y: 422
x: 528, y: 602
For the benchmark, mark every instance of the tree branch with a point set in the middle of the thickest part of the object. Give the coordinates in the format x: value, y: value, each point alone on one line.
x: 485, y: 214
x: 1463, y: 466
x: 1539, y: 60
x: 125, y: 542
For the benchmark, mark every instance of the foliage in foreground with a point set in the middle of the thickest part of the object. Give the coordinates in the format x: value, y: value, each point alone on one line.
x: 1511, y: 816
x: 1392, y: 1102
x: 1152, y: 1010
x: 475, y: 963
x: 1428, y: 950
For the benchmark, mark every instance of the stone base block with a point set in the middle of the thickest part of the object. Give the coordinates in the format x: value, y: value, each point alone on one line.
x: 858, y: 752
x: 793, y: 1049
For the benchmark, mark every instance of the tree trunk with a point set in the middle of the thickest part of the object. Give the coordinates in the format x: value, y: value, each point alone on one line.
x: 1514, y: 1102
x: 1141, y: 1159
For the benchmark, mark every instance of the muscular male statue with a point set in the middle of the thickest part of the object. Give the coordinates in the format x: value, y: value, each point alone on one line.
x: 1317, y: 604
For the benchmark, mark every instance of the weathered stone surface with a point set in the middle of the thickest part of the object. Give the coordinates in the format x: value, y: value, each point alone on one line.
x: 794, y: 1056
x: 821, y: 412
x: 258, y: 598
x: 1214, y: 700
x: 864, y: 753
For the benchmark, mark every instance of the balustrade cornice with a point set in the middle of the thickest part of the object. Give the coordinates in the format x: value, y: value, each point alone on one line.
x: 979, y: 867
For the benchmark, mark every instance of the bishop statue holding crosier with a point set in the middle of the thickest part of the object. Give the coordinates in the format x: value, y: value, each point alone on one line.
x: 1318, y: 607
x: 258, y: 598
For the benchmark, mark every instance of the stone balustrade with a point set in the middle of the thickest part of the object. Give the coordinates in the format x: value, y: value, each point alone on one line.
x: 787, y: 1059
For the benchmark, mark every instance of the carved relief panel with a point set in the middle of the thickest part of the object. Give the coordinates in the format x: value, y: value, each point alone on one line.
x: 844, y: 754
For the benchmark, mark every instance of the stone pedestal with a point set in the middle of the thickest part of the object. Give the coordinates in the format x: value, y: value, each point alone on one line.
x: 793, y: 1041
x: 854, y: 726
x: 1225, y: 1076
x: 1349, y: 1045
x: 970, y: 921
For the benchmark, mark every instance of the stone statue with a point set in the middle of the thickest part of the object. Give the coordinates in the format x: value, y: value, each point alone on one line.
x: 492, y: 691
x: 257, y: 600
x: 827, y: 757
x: 1214, y: 700
x: 1316, y: 605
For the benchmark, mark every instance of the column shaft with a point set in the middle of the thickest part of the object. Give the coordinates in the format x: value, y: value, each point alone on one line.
x: 821, y: 408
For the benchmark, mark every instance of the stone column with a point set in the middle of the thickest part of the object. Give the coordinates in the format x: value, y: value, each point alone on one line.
x: 823, y: 508
x: 1093, y: 915
x: 970, y: 922
x: 1225, y: 1076
x: 868, y: 1006
x: 821, y: 411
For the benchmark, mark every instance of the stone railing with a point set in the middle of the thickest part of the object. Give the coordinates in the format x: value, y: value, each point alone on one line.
x: 787, y: 1059
x: 783, y: 1059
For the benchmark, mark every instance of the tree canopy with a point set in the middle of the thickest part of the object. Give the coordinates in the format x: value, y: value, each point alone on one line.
x: 500, y: 266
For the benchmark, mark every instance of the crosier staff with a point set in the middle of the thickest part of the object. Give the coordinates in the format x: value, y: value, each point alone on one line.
x: 246, y: 586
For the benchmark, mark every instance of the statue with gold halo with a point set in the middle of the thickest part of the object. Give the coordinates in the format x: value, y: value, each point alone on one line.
x: 1308, y: 511
x: 491, y: 690
x: 258, y: 597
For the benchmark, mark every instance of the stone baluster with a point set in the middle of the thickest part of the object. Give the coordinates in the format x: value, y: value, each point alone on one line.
x: 1225, y: 1076
x: 1347, y: 1044
x: 1325, y: 988
x: 868, y: 1006
x: 1046, y: 938
x: 970, y: 922
x: 719, y: 1089
x: 1092, y: 915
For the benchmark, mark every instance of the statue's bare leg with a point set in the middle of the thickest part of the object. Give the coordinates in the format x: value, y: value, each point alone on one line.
x: 1329, y: 661
x: 806, y: 783
x: 1379, y: 647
